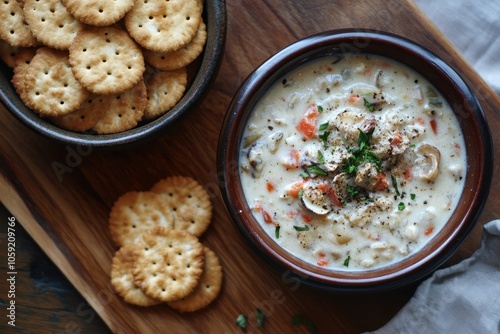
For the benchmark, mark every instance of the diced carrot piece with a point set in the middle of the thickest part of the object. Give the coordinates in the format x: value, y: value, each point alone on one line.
x: 307, y: 127
x: 326, y: 189
x: 323, y: 187
x: 407, y: 173
x: 294, y: 189
x: 267, y: 217
x: 257, y: 206
x: 420, y: 120
x: 433, y: 124
x: 333, y: 197
x: 354, y: 98
x: 429, y: 230
x: 307, y: 124
x: 306, y: 218
x: 381, y: 183
x: 293, y: 160
x: 270, y: 186
x: 322, y: 262
x: 397, y: 139
x: 291, y: 213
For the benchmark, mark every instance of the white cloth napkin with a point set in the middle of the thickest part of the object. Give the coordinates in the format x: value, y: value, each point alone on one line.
x: 474, y: 28
x: 464, y: 298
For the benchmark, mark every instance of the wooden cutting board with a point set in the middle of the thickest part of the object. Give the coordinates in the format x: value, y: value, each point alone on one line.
x: 67, y: 215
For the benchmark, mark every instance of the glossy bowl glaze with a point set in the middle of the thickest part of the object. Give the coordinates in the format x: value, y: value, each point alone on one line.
x: 442, y: 76
x: 211, y: 58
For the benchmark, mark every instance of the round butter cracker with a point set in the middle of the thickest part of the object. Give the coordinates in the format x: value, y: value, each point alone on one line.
x: 8, y: 53
x: 135, y: 213
x: 169, y: 264
x: 163, y: 26
x: 87, y: 116
x: 208, y: 287
x: 124, y: 110
x: 164, y: 90
x: 98, y: 12
x: 51, y: 23
x: 13, y: 27
x: 106, y: 60
x: 169, y: 61
x: 122, y: 278
x: 21, y: 64
x: 189, y: 201
x: 51, y: 88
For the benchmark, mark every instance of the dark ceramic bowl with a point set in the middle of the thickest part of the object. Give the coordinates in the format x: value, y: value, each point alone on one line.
x: 211, y: 58
x: 442, y: 76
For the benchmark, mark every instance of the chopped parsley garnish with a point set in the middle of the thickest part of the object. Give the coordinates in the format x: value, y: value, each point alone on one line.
x: 304, y: 175
x: 368, y: 105
x: 370, y: 156
x: 301, y: 193
x: 321, y: 157
x: 323, y: 127
x: 241, y: 321
x: 296, y: 320
x: 364, y: 139
x: 346, y: 261
x: 301, y: 228
x: 316, y: 170
x: 413, y: 196
x: 320, y: 109
x: 351, y: 166
x: 401, y: 206
x: 324, y: 138
x: 260, y: 317
x: 277, y: 232
x: 310, y: 325
x: 361, y: 154
x: 352, y: 190
x: 395, y: 184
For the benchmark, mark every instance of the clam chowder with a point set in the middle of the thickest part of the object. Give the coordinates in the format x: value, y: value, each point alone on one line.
x: 352, y: 162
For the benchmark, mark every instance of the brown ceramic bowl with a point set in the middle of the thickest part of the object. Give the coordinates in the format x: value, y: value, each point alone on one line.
x: 215, y: 18
x: 442, y: 76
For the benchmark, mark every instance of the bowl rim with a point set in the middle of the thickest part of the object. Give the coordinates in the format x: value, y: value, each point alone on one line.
x: 305, y: 50
x: 210, y: 63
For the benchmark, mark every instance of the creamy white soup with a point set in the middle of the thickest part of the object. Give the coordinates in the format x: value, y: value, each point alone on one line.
x: 352, y: 162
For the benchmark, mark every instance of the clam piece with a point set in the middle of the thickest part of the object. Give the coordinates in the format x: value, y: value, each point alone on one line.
x: 315, y: 200
x: 428, y: 162
x: 252, y: 137
x: 382, y: 79
x: 273, y: 141
x: 367, y: 177
x: 254, y: 156
x: 417, y: 93
x: 340, y: 185
x: 370, y: 93
x: 347, y: 123
x: 342, y: 234
x: 368, y: 125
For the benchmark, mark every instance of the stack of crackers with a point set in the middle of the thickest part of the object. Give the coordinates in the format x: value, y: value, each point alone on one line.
x: 160, y: 257
x: 101, y: 66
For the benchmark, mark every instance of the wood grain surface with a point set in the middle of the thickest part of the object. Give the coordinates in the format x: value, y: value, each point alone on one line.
x: 46, y: 302
x: 67, y: 214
